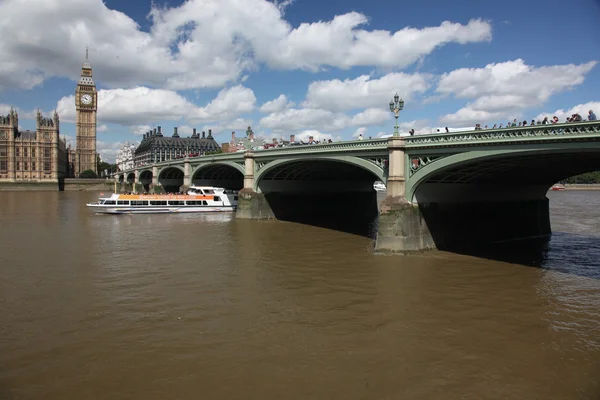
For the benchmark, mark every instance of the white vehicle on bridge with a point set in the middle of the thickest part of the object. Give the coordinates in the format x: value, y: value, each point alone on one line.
x: 197, y: 199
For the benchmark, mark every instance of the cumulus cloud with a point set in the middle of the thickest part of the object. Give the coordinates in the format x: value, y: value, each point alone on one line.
x: 581, y: 109
x: 360, y: 131
x: 338, y: 95
x: 200, y: 43
x: 296, y: 119
x: 140, y: 105
x: 502, y: 90
x: 276, y: 105
x: 317, y: 135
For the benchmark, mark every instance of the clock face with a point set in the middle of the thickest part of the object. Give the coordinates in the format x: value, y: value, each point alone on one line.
x: 86, y: 99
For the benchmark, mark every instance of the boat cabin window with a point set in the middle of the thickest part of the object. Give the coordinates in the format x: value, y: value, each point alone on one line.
x: 109, y: 202
x: 216, y: 198
x: 123, y: 202
x: 158, y: 203
x: 176, y: 202
x: 139, y: 202
x: 204, y: 202
x: 209, y: 191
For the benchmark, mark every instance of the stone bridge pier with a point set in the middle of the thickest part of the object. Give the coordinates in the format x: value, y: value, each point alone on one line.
x: 251, y: 204
x: 402, y: 227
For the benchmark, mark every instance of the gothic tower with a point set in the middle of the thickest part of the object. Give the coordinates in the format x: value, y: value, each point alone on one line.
x: 86, y: 105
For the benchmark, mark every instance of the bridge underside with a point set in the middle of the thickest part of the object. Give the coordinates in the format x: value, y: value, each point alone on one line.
x: 219, y: 176
x: 331, y: 194
x: 496, y: 200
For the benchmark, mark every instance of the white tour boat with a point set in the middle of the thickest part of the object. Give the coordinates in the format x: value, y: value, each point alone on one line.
x: 197, y: 199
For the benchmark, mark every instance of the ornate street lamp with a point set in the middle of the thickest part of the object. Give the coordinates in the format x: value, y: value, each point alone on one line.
x: 396, y: 105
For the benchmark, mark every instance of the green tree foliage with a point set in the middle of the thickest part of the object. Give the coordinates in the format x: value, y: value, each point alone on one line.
x: 588, y: 178
x: 87, y: 174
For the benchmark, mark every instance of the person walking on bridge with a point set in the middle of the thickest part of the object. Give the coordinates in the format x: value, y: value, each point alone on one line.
x: 591, y: 116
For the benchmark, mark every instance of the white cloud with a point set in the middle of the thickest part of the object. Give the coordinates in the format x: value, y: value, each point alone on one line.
x: 201, y: 43
x: 337, y: 95
x: 107, y: 150
x: 339, y: 43
x: 276, y: 105
x: 317, y: 135
x: 581, y: 109
x: 371, y: 116
x: 140, y: 129
x: 102, y: 128
x: 140, y: 105
x: 360, y: 131
x: 296, y: 119
x: 501, y: 91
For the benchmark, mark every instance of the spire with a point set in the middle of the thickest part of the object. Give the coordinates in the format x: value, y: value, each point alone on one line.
x: 86, y: 71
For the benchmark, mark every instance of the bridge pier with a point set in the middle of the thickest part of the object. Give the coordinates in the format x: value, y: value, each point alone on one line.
x: 402, y: 227
x: 187, y: 175
x: 252, y: 205
x: 155, y: 187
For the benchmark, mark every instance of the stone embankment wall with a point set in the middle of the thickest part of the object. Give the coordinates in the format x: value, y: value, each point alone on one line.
x: 578, y: 186
x: 89, y: 185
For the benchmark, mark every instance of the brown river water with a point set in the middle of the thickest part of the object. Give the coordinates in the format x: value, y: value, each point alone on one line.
x: 208, y: 307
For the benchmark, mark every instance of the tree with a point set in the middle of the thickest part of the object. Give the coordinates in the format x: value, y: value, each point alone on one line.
x: 87, y: 174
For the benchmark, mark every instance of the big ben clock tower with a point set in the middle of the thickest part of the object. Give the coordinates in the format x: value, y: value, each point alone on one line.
x: 86, y: 105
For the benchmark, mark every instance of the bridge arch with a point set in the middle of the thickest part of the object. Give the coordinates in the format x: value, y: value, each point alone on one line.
x: 145, y: 179
x: 131, y: 177
x: 171, y: 178
x: 227, y: 174
x: 492, y: 173
x: 308, y: 168
x: 327, y: 191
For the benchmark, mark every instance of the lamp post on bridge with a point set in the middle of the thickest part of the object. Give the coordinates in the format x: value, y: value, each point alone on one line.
x: 396, y: 105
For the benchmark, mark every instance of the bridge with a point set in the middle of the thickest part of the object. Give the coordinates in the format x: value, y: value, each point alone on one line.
x: 442, y: 189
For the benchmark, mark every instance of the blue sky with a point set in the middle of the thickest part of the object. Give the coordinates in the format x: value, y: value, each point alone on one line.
x: 304, y: 67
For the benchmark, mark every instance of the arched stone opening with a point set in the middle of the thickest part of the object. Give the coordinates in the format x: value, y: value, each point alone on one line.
x: 121, y: 178
x: 146, y: 179
x: 329, y: 193
x: 471, y: 201
x: 171, y: 179
x: 218, y: 175
x: 131, y: 178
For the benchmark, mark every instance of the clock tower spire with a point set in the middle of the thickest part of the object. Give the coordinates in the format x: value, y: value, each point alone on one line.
x: 86, y: 106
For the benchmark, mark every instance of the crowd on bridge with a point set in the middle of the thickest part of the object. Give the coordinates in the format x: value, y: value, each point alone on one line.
x: 555, y: 120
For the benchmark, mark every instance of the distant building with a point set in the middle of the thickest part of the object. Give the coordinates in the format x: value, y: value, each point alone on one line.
x: 32, y: 156
x: 126, y: 156
x: 156, y: 148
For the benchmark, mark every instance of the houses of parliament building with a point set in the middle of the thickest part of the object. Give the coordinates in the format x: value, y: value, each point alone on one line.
x: 42, y: 155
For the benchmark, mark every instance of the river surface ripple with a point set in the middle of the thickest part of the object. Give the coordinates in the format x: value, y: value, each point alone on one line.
x: 208, y: 307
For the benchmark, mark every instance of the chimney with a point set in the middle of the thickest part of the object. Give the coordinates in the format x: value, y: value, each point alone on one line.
x: 144, y: 136
x: 203, y: 135
x: 210, y: 134
x: 154, y: 131
x: 292, y: 138
x: 159, y: 131
x: 194, y: 134
x: 175, y: 130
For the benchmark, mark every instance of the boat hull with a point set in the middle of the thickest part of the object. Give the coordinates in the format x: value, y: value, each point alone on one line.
x: 157, y: 210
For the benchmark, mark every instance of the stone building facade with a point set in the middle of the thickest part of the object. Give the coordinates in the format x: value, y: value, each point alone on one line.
x: 156, y: 148
x: 126, y: 156
x: 32, y: 156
